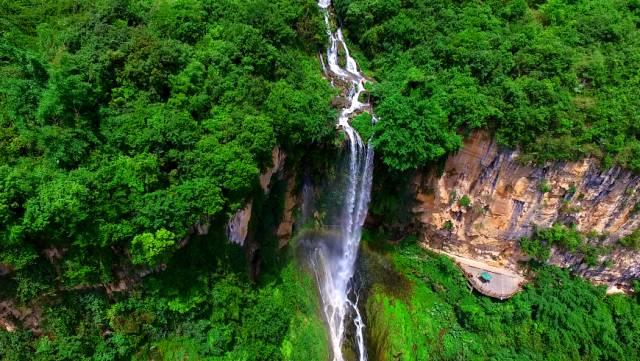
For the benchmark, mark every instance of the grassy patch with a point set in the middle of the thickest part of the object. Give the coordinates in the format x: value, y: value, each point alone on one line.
x: 363, y: 124
x: 306, y: 339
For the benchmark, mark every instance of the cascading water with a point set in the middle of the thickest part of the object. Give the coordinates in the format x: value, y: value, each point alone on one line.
x: 334, y: 262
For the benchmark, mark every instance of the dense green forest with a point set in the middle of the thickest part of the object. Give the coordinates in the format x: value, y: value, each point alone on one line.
x: 557, y: 78
x: 123, y: 123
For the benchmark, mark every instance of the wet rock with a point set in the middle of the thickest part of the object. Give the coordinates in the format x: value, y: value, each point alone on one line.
x: 28, y: 317
x: 340, y: 102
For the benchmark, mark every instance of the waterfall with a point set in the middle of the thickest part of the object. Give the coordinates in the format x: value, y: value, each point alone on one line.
x: 333, y: 261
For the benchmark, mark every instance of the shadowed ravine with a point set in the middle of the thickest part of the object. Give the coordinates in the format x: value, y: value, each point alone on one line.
x: 333, y: 260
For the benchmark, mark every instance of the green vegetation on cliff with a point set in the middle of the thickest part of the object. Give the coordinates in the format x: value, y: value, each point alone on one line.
x: 122, y: 124
x: 202, y: 307
x: 568, y: 239
x: 558, y: 78
x: 427, y: 312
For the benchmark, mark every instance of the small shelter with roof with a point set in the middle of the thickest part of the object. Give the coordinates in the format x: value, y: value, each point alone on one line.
x: 485, y: 277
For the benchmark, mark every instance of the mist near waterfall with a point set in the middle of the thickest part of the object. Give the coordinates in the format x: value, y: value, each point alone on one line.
x: 333, y: 249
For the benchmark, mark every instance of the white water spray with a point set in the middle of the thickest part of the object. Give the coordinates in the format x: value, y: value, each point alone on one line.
x: 334, y: 264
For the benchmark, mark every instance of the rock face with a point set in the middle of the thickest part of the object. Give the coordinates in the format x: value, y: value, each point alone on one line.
x: 285, y: 228
x: 508, y: 199
x: 238, y: 226
x: 11, y: 315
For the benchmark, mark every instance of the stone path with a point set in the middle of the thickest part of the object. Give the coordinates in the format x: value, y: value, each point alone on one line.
x: 504, y: 283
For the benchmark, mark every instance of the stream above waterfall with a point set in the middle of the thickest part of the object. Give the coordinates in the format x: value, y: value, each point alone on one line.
x: 332, y: 255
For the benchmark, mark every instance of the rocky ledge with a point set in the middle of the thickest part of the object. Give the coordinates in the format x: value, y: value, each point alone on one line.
x: 486, y: 200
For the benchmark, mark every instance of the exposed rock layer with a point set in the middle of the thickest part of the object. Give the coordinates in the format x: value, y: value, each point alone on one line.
x: 285, y: 228
x: 507, y: 202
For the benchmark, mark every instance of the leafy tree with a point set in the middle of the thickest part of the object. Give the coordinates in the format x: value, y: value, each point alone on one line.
x: 550, y: 77
x: 148, y: 248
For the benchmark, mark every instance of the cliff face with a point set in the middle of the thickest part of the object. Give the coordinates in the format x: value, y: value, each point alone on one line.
x: 238, y: 226
x: 507, y: 199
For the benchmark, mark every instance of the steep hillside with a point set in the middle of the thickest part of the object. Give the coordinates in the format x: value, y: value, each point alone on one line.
x: 486, y: 200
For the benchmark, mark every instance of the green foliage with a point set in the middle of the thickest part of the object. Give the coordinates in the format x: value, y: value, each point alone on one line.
x: 448, y: 225
x: 190, y: 310
x: 540, y: 243
x: 149, y: 248
x: 364, y: 125
x: 306, y: 339
x: 408, y: 138
x: 556, y: 316
x: 554, y: 78
x: 453, y: 196
x: 632, y: 240
x: 464, y: 201
x: 566, y: 237
x: 535, y: 248
x: 568, y: 208
x: 123, y: 122
x: 544, y: 186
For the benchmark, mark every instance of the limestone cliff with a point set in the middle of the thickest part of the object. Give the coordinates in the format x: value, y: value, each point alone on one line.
x: 508, y: 199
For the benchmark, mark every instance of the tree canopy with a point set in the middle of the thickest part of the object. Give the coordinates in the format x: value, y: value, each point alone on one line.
x: 125, y: 121
x: 556, y: 78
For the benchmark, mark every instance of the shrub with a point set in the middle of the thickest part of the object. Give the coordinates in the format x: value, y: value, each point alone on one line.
x: 536, y: 249
x: 150, y: 249
x: 566, y: 237
x: 591, y: 254
x: 363, y: 125
x: 631, y: 241
x: 607, y: 263
x: 465, y: 201
x: 568, y: 208
x: 448, y: 225
x: 544, y: 186
x: 453, y: 196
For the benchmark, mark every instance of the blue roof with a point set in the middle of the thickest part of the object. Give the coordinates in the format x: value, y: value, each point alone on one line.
x: 485, y: 276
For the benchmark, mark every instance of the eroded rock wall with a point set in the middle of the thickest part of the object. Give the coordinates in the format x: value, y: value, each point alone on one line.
x: 508, y: 200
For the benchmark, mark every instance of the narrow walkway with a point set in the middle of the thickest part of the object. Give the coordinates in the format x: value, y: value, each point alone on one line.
x: 503, y: 282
